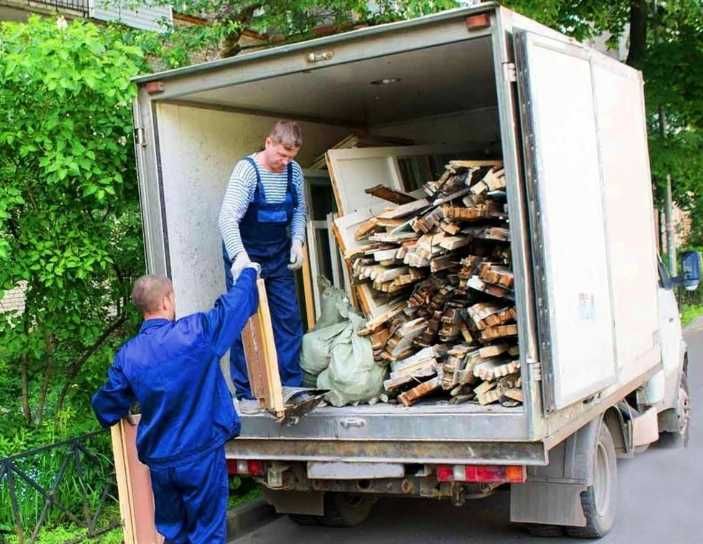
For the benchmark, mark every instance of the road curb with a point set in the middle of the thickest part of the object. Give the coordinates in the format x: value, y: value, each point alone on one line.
x: 248, y: 517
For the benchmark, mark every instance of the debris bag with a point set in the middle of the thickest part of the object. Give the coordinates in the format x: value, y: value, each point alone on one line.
x: 315, y: 355
x: 352, y: 374
x: 333, y: 304
x: 316, y: 351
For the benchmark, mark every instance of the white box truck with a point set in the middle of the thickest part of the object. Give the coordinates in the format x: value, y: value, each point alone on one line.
x: 602, y: 358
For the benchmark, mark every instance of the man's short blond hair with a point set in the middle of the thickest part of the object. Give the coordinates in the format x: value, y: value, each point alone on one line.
x: 149, y: 291
x: 287, y: 133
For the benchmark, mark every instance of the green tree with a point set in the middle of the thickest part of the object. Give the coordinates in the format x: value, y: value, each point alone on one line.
x: 69, y: 220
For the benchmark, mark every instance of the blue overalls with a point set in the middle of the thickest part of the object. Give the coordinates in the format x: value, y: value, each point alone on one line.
x: 172, y: 369
x: 264, y: 231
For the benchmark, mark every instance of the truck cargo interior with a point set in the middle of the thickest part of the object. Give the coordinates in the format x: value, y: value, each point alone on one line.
x: 449, y: 107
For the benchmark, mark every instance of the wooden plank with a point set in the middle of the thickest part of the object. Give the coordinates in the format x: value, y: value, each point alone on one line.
x: 334, y: 253
x: 413, y: 395
x: 133, y: 486
x: 123, y: 485
x: 261, y: 357
x: 391, y: 195
x: 405, y: 209
x: 307, y: 290
x: 499, y: 331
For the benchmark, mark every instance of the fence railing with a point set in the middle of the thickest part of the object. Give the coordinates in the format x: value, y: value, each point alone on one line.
x: 81, y: 6
x: 69, y: 484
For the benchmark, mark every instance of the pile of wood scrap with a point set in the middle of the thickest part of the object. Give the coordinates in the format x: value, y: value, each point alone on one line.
x: 433, y: 276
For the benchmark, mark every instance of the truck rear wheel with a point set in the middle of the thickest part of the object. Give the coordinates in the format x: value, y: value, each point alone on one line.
x: 346, y: 509
x: 341, y: 510
x: 599, y: 501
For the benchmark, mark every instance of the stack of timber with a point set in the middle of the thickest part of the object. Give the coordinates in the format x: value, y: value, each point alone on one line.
x: 433, y: 276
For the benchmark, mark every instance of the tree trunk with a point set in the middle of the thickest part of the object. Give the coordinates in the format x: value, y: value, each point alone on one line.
x: 24, y: 374
x: 75, y: 368
x: 638, y: 33
x: 46, y: 380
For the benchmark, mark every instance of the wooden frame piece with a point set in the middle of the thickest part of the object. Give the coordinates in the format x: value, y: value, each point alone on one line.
x: 352, y: 171
x: 261, y: 357
x: 133, y: 486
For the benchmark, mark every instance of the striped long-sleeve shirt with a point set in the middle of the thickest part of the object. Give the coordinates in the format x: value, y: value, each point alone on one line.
x: 240, y: 194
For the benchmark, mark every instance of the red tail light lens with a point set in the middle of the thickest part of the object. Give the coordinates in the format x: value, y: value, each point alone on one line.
x: 514, y: 474
x: 242, y: 467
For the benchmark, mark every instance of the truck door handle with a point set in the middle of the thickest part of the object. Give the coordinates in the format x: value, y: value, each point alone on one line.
x: 351, y: 422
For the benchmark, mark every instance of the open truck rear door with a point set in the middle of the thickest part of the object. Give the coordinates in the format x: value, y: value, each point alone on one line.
x: 565, y: 188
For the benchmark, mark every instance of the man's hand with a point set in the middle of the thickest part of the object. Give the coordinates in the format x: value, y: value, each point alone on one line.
x: 296, y: 255
x: 241, y: 261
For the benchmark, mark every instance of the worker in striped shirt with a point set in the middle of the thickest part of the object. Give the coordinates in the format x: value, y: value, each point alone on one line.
x: 262, y: 219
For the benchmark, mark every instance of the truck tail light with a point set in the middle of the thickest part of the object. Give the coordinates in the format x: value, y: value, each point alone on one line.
x: 243, y: 467
x: 513, y: 474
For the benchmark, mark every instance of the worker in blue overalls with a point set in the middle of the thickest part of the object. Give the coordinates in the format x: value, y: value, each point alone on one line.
x: 262, y: 219
x: 171, y: 368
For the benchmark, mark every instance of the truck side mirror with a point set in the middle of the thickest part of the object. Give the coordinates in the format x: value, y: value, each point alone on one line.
x: 690, y: 270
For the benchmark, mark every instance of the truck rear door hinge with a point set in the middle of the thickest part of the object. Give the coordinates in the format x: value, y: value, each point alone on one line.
x: 139, y: 137
x: 535, y: 369
x: 510, y: 72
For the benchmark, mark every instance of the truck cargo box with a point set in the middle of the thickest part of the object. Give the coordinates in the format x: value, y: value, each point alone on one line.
x: 568, y: 124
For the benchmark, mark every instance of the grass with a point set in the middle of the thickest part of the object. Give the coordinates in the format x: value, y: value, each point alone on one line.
x: 242, y: 491
x: 690, y: 312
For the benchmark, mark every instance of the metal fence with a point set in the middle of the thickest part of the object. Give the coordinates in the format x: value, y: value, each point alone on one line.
x: 81, y: 6
x: 69, y: 484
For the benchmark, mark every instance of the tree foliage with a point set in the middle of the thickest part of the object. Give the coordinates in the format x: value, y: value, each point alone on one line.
x: 69, y: 220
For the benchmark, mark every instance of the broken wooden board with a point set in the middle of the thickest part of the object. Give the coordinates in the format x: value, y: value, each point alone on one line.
x: 345, y: 232
x: 389, y: 194
x: 416, y: 393
x: 261, y: 357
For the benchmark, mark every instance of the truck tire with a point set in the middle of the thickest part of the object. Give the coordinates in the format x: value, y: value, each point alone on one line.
x: 599, y: 500
x: 683, y: 412
x: 346, y: 509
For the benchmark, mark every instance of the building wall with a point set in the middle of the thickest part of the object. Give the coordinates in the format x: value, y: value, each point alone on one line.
x: 13, y: 300
x: 145, y: 18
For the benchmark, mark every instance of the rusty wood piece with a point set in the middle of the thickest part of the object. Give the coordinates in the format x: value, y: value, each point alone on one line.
x: 413, y: 395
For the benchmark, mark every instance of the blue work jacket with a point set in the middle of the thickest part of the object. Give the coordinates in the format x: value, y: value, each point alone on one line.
x: 172, y: 369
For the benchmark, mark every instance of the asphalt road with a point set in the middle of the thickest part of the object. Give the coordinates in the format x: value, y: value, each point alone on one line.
x: 660, y: 497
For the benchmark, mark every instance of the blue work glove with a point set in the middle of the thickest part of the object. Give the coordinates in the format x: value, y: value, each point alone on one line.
x: 242, y: 261
x: 296, y: 255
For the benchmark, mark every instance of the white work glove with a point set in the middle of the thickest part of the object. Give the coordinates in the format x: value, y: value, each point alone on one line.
x: 242, y: 261
x: 296, y: 255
